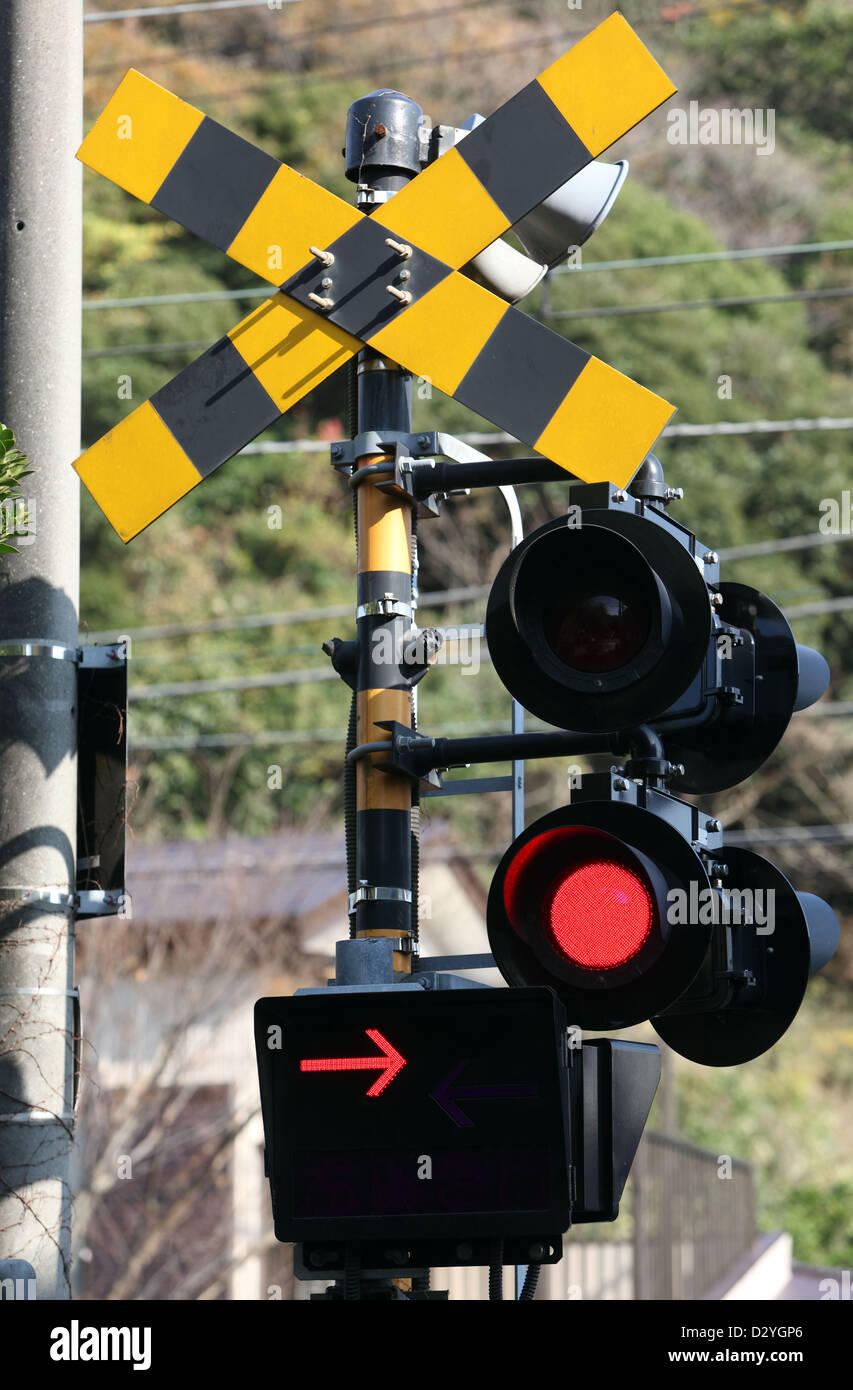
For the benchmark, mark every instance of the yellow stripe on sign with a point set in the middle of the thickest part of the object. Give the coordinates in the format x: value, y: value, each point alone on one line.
x: 439, y: 336
x: 291, y: 349
x: 141, y: 132
x: 606, y: 84
x: 605, y: 426
x: 446, y: 211
x: 136, y: 471
x: 292, y: 214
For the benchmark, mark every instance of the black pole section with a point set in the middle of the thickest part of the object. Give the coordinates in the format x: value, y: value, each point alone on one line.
x: 382, y: 154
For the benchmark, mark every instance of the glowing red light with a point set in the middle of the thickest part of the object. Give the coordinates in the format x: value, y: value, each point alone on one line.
x: 599, y: 915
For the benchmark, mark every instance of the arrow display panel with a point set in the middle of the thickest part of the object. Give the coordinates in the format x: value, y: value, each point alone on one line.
x: 404, y: 1115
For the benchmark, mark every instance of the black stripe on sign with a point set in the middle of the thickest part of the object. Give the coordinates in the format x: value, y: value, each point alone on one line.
x: 521, y: 375
x: 524, y: 151
x: 215, y: 406
x: 363, y: 269
x: 215, y: 183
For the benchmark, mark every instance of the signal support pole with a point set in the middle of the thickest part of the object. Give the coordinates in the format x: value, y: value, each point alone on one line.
x: 382, y: 154
x: 41, y: 102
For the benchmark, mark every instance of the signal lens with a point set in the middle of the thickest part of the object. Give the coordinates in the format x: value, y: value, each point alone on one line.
x: 599, y: 915
x: 583, y: 892
x: 597, y: 625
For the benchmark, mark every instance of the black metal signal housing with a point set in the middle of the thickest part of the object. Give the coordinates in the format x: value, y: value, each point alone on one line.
x: 602, y: 625
x: 618, y: 903
x: 615, y: 616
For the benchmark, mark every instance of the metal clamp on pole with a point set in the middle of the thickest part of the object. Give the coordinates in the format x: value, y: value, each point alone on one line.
x: 108, y: 654
x: 44, y: 897
x: 89, y: 902
x: 40, y: 646
x: 385, y: 608
x: 368, y: 893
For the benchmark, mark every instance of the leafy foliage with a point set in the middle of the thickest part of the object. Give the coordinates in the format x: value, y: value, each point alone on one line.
x: 13, y: 468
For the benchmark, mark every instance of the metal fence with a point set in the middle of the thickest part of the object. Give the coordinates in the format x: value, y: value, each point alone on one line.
x: 687, y: 1217
x: 693, y: 1216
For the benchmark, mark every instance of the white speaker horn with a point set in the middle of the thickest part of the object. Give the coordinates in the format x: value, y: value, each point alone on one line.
x: 505, y: 272
x: 571, y: 214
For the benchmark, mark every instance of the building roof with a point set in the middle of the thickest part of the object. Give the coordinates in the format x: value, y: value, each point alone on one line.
x: 293, y: 875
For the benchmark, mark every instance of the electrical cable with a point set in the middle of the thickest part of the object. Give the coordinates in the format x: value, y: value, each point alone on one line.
x: 496, y: 1290
x: 412, y: 17
x: 733, y: 302
x: 639, y: 263
x: 167, y: 11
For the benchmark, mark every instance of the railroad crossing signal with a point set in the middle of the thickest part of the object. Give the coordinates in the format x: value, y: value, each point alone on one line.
x: 627, y: 902
x: 391, y: 280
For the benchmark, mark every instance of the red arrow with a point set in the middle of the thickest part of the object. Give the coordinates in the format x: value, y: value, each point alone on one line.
x: 389, y: 1064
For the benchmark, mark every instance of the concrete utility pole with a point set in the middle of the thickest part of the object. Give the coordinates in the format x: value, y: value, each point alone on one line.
x: 41, y: 92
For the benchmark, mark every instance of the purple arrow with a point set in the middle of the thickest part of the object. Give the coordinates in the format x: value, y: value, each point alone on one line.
x: 446, y: 1094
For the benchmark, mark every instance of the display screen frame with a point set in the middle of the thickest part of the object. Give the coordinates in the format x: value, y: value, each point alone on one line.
x: 482, y: 1095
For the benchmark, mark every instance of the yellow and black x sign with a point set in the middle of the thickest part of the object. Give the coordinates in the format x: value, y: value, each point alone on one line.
x: 435, y: 322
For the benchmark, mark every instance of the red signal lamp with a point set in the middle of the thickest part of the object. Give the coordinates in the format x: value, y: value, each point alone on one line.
x: 600, y: 914
x: 610, y: 904
x: 580, y: 903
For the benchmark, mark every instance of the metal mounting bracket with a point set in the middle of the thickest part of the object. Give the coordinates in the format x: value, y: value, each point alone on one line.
x: 345, y: 453
x: 403, y: 757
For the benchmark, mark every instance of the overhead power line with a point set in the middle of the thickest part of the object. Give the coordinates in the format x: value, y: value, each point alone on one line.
x: 277, y: 679
x: 822, y: 606
x: 797, y: 425
x: 145, y: 301
x: 546, y: 315
x: 197, y: 7
x: 798, y: 248
x: 444, y: 59
x: 679, y: 305
x: 178, y: 689
x: 439, y: 598
x: 685, y: 431
x: 280, y: 619
x: 807, y: 542
x: 792, y: 835
x: 222, y: 685
x: 145, y: 349
x: 638, y: 263
x: 412, y: 17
